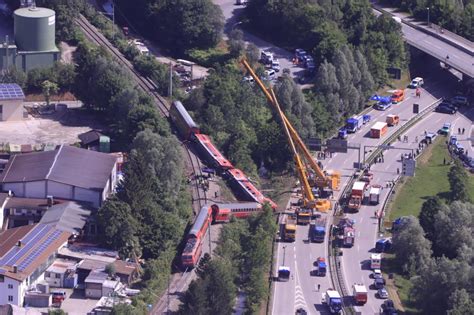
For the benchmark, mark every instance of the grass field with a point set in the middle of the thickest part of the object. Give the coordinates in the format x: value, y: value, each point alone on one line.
x: 431, y: 179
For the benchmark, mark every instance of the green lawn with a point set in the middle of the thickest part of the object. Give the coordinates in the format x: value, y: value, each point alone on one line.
x: 431, y: 179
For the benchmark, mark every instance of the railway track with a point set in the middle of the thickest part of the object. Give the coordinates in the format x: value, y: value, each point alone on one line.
x: 149, y: 87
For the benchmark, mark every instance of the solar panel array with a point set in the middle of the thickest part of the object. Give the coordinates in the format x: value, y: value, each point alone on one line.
x: 39, y: 250
x: 11, y: 92
x: 30, y: 241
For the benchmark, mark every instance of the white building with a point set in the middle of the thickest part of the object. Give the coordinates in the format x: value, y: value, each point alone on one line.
x: 11, y: 102
x: 25, y: 253
x: 66, y: 173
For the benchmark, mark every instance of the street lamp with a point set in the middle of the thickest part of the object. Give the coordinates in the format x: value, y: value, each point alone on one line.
x: 284, y: 254
x: 428, y: 9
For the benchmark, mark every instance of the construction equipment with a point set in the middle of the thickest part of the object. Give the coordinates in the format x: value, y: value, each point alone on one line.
x: 319, y: 179
x: 304, y: 216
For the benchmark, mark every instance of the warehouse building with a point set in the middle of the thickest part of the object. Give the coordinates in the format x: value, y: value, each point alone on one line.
x: 34, y: 36
x: 11, y: 102
x: 66, y: 173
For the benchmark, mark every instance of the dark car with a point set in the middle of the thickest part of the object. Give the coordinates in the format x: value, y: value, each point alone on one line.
x: 388, y: 308
x: 379, y: 283
x: 301, y: 311
x: 448, y: 104
x: 445, y: 109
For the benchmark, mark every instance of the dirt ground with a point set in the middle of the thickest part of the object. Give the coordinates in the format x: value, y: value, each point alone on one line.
x: 62, y: 127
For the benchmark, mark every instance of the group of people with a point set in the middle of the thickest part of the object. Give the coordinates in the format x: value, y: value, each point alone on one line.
x: 461, y: 131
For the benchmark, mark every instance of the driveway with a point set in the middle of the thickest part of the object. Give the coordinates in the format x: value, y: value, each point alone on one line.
x: 232, y: 14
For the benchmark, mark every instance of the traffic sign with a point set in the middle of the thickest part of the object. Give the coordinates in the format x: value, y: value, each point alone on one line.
x: 408, y: 167
x: 337, y: 145
x: 416, y: 108
x: 314, y: 144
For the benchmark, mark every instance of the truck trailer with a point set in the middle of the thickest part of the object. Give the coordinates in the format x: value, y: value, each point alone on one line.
x: 354, y: 123
x: 374, y: 195
x: 357, y: 195
x: 360, y: 294
x: 378, y: 130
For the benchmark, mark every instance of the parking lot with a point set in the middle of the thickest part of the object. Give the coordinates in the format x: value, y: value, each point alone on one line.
x: 61, y: 127
x: 74, y: 304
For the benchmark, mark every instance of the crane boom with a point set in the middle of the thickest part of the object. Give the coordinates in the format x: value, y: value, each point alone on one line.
x: 308, y: 194
x: 327, y: 181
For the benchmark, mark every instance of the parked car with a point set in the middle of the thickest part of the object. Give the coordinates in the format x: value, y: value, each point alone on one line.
x: 430, y: 136
x: 416, y: 83
x: 379, y: 283
x: 377, y: 274
x: 388, y: 308
x: 445, y: 109
x: 248, y: 79
x: 382, y: 293
x: 276, y: 65
x: 459, y: 100
x: 445, y: 130
x: 270, y: 74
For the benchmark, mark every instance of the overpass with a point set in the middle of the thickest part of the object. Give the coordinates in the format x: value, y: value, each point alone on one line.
x: 449, y: 48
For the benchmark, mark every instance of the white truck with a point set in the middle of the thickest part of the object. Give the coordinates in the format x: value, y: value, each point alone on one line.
x: 374, y: 195
x: 360, y: 294
x: 333, y: 300
x: 375, y: 261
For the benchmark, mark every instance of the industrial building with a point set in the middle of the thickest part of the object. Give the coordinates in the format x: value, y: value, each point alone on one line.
x: 34, y: 36
x: 66, y: 173
x: 11, y: 102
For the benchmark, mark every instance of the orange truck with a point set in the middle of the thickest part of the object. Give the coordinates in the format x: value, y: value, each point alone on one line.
x: 378, y: 129
x: 392, y: 120
x: 357, y: 195
x: 398, y: 96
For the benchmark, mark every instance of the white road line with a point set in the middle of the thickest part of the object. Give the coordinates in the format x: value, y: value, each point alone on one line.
x: 274, y: 286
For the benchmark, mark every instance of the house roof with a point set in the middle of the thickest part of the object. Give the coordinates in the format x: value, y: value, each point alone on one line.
x: 29, y: 203
x: 90, y: 136
x: 68, y: 216
x: 67, y: 165
x: 90, y: 264
x: 125, y: 268
x: 37, y: 243
x: 96, y: 277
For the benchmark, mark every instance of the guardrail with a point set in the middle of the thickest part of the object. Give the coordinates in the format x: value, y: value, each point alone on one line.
x: 337, y: 278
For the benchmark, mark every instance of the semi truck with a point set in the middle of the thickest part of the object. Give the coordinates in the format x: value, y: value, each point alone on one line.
x: 333, y: 300
x: 374, y: 194
x: 360, y: 294
x: 378, y: 130
x: 357, y: 195
x: 318, y: 230
x: 289, y: 227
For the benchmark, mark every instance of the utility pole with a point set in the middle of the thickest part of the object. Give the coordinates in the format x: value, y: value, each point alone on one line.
x: 428, y: 9
x: 170, y: 92
x: 168, y: 297
x: 284, y: 254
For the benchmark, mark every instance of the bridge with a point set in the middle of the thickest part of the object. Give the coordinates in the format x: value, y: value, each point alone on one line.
x: 449, y: 48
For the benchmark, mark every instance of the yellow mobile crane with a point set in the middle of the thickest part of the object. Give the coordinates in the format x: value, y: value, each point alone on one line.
x: 331, y: 179
x: 309, y: 201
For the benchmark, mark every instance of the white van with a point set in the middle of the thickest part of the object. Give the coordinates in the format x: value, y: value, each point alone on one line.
x: 270, y: 74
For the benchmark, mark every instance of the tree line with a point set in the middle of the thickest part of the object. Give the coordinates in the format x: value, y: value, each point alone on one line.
x: 454, y: 15
x: 242, y: 260
x: 436, y: 250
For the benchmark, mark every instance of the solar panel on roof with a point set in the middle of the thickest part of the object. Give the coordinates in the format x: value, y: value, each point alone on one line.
x: 11, y: 91
x: 39, y: 250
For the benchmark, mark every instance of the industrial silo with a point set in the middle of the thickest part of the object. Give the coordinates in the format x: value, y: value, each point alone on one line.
x: 34, y: 29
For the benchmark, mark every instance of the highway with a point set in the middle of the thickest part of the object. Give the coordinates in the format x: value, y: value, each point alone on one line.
x: 301, y: 290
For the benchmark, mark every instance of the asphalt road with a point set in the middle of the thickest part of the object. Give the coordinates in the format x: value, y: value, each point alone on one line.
x: 301, y: 290
x: 232, y: 13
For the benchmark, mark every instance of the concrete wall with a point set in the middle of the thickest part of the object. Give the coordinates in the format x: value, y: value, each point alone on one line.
x: 82, y: 194
x: 17, y: 188
x: 60, y: 190
x: 11, y: 110
x: 33, y: 60
x: 35, y: 189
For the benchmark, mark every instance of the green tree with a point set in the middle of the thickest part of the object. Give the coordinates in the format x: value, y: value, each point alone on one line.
x: 110, y: 270
x: 460, y: 303
x: 429, y: 210
x: 49, y: 88
x: 454, y: 229
x: 412, y: 249
x: 236, y: 42
x: 458, y: 181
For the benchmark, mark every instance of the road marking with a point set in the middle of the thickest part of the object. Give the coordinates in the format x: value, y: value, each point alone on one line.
x: 299, y: 296
x: 274, y: 286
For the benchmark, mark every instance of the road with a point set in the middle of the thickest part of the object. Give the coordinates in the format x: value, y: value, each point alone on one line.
x: 232, y: 14
x: 301, y: 290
